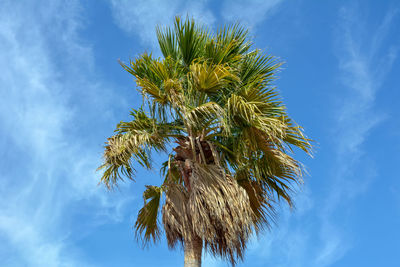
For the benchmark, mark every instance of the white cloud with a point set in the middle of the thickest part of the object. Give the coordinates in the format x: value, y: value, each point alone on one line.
x: 364, y: 62
x: 142, y: 16
x: 44, y: 68
x: 251, y: 12
x: 300, y: 239
x: 34, y: 249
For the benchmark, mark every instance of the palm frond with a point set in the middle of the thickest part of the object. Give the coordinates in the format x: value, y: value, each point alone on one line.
x: 228, y: 46
x: 117, y: 159
x: 217, y: 210
x: 147, y: 228
x: 202, y: 116
x: 221, y: 210
x: 261, y: 203
x: 257, y: 68
x: 210, y: 78
x: 247, y: 114
x: 168, y: 42
x: 190, y: 39
x: 134, y: 140
x: 175, y: 215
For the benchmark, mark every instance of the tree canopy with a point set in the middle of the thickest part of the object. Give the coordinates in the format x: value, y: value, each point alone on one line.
x: 212, y: 99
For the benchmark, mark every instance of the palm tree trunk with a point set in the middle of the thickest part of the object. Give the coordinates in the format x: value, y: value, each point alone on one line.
x: 193, y: 250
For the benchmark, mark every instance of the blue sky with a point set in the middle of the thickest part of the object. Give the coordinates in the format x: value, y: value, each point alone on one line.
x: 62, y: 92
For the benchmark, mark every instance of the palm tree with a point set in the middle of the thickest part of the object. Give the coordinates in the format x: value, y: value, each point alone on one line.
x: 211, y: 106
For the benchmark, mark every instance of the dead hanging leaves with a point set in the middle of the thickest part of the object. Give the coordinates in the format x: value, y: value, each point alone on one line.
x: 216, y: 209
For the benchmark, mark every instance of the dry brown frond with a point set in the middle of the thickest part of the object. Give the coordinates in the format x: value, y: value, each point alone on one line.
x: 175, y: 216
x: 216, y: 209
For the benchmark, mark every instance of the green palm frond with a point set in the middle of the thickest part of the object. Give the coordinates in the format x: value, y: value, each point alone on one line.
x: 168, y: 42
x: 295, y: 137
x: 200, y: 117
x: 191, y: 39
x: 228, y: 46
x: 135, y: 140
x: 247, y: 114
x: 257, y: 68
x: 141, y: 68
x: 118, y: 155
x: 147, y: 228
x: 151, y: 89
x: 209, y: 78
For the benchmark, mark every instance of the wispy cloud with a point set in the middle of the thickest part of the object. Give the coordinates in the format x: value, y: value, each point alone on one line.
x: 251, y: 12
x: 141, y: 17
x: 313, y: 235
x: 364, y: 62
x: 45, y: 167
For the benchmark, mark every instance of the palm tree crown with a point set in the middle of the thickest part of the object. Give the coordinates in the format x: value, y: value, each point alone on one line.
x: 212, y: 98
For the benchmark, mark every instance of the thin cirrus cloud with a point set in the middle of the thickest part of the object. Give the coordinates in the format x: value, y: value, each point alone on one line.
x: 364, y: 63
x: 251, y: 12
x: 49, y: 162
x: 46, y: 170
x: 141, y: 17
